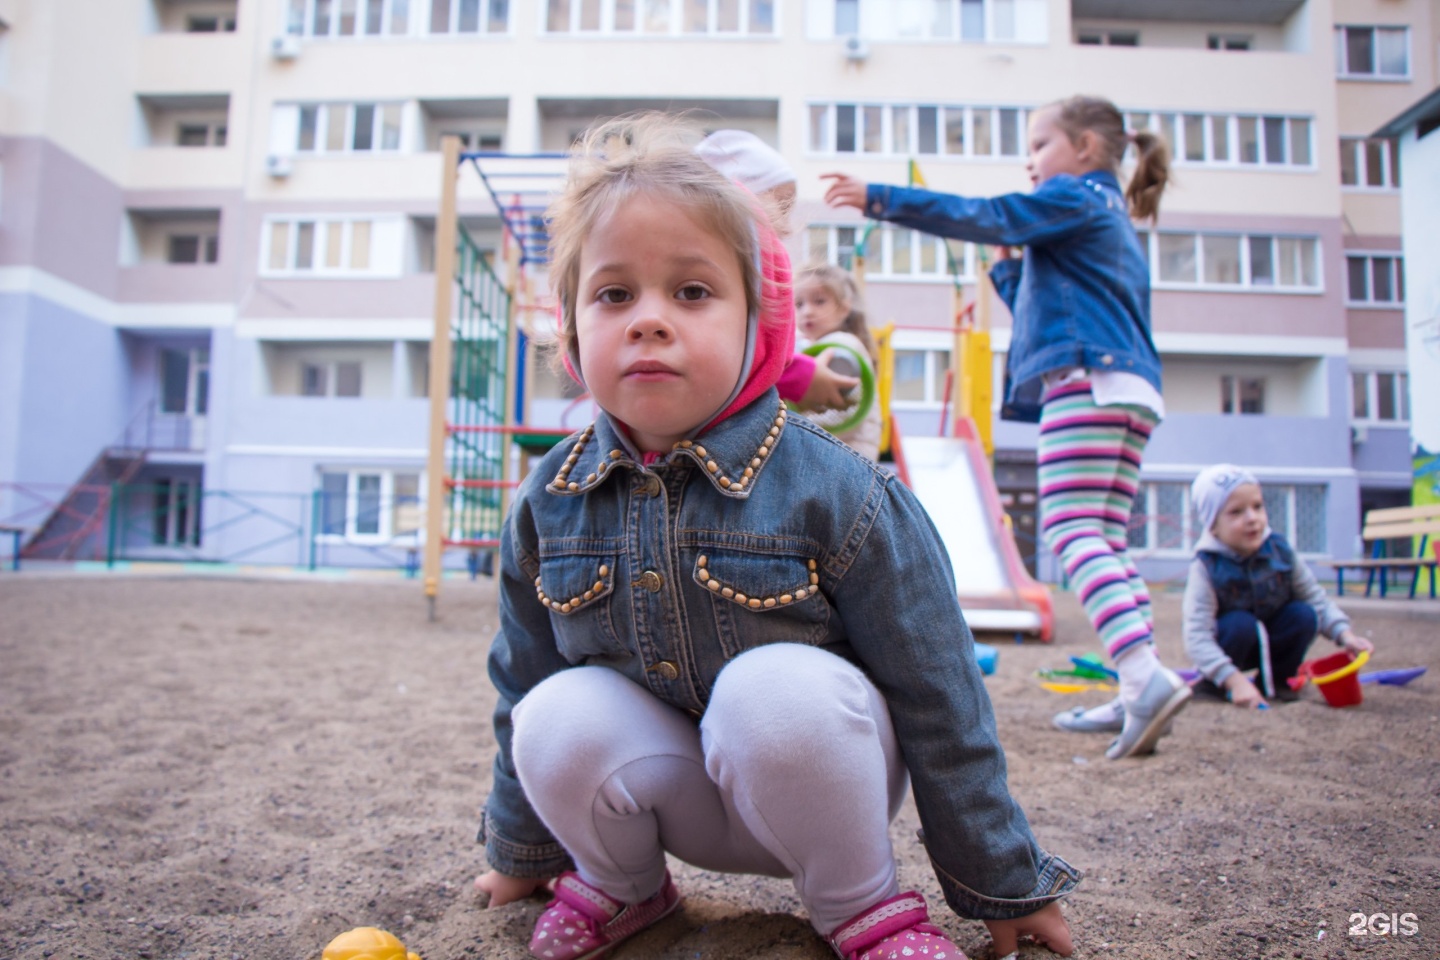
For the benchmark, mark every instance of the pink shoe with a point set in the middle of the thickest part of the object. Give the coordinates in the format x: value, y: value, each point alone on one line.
x: 583, y: 922
x: 894, y: 929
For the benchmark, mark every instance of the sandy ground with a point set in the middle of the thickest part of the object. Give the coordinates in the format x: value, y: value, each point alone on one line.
x: 194, y: 767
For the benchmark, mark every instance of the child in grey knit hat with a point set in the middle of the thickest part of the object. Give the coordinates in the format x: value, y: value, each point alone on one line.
x: 1250, y: 602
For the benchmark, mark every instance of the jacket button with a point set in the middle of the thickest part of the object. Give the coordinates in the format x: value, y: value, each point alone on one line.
x: 652, y: 581
x: 652, y: 486
x: 1107, y: 360
x: 667, y: 669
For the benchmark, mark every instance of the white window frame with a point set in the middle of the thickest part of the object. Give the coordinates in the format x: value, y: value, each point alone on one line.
x: 300, y: 19
x: 1396, y: 269
x: 1171, y: 124
x: 1389, y: 163
x: 1400, y: 399
x: 879, y: 20
x: 320, y: 249
x: 1145, y: 506
x: 1342, y: 65
x: 674, y: 19
x: 1149, y: 239
x: 207, y: 247
x: 936, y: 347
x: 823, y: 126
x: 217, y: 134
x: 385, y: 533
x: 880, y: 252
x: 332, y: 379
x: 323, y: 113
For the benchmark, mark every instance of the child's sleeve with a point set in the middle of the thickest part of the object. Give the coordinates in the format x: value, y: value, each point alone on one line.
x: 1006, y: 277
x: 1199, y: 613
x: 795, y: 380
x: 893, y: 589
x: 1331, y: 618
x: 1059, y: 208
x: 523, y: 653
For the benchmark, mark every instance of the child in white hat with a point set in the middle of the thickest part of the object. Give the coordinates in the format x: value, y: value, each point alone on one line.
x: 1250, y: 602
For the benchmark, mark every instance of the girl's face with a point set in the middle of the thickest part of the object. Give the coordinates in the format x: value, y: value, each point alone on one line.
x: 1242, y: 521
x: 818, y: 311
x: 1053, y: 152
x: 660, y: 315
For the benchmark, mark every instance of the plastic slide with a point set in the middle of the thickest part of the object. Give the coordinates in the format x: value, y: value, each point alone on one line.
x: 951, y: 476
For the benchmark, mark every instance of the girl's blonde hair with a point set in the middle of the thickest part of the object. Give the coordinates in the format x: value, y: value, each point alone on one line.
x: 648, y: 154
x: 843, y: 288
x: 1076, y: 115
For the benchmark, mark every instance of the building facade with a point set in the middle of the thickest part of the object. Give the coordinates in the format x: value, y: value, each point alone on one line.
x: 217, y: 229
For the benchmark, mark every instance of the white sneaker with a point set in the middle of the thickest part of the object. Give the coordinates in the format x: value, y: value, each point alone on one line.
x: 1147, y: 719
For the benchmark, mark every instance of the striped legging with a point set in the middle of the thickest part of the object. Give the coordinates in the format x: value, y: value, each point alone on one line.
x: 1089, y: 470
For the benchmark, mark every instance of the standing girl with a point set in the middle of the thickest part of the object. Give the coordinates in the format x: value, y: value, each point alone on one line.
x: 827, y: 311
x: 1081, y: 362
x: 722, y: 636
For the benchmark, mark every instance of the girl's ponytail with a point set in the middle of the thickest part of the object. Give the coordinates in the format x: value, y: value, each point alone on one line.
x: 1081, y: 114
x: 1152, y: 172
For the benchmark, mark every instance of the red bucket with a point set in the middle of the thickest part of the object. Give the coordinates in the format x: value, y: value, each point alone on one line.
x: 1338, y: 677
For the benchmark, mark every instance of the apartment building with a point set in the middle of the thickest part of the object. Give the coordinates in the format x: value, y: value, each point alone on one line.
x: 217, y: 228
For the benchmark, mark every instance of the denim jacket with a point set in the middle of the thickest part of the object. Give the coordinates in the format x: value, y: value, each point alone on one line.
x: 1080, y: 297
x: 763, y: 530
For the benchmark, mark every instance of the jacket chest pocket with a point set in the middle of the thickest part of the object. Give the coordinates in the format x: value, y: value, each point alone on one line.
x: 579, y: 592
x: 758, y: 599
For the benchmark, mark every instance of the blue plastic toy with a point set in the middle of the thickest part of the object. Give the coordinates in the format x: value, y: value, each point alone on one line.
x: 1393, y: 678
x: 986, y: 656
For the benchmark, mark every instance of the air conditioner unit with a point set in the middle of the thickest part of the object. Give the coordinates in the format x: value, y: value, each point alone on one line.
x: 1359, y: 433
x: 856, y: 49
x: 278, y: 165
x: 285, y: 47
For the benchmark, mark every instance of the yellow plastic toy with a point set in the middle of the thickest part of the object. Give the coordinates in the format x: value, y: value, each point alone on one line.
x: 367, y: 943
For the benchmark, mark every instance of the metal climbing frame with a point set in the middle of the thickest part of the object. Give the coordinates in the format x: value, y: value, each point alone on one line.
x: 477, y: 352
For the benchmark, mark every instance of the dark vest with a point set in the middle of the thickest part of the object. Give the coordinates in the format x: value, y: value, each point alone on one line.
x: 1259, y: 584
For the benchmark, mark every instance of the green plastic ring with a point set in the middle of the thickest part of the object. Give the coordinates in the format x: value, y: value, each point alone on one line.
x: 867, y: 385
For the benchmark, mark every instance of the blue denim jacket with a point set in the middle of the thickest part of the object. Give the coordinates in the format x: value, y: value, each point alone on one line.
x: 1080, y: 297
x: 764, y: 530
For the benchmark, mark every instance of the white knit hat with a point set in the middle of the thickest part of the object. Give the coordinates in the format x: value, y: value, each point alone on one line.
x: 744, y: 157
x: 1213, y: 487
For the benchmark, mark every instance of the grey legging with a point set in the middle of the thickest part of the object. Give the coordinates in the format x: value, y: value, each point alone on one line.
x: 793, y: 772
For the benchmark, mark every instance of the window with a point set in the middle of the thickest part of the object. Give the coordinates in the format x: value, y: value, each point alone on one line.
x: 1221, y: 139
x: 334, y: 379
x: 1380, y: 395
x: 917, y: 130
x: 661, y: 18
x: 209, y: 24
x: 1242, y: 394
x: 185, y: 381
x: 1373, y: 280
x: 1108, y: 38
x: 1162, y: 521
x: 478, y: 140
x: 368, y: 505
x: 1234, y: 261
x: 320, y: 247
x: 1372, y: 52
x: 1227, y: 41
x: 192, y: 248
x: 200, y: 134
x: 349, y: 128
x: 980, y: 21
x: 1369, y: 164
x: 891, y: 252
x: 919, y: 376
x: 373, y: 18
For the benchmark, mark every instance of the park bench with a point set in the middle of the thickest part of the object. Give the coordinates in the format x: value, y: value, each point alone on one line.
x: 1383, y: 526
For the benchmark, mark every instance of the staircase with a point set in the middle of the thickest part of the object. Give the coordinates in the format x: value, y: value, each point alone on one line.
x: 77, y: 523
